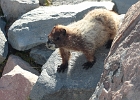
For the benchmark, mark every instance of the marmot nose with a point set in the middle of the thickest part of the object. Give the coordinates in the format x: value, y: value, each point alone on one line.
x: 50, y: 42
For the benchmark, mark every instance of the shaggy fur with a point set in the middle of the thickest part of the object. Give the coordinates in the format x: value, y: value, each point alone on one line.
x: 86, y: 35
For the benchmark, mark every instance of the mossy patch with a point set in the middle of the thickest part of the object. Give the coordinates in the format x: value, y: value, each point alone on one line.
x: 47, y: 2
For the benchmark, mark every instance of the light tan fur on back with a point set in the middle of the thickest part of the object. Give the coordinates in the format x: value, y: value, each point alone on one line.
x: 85, y: 35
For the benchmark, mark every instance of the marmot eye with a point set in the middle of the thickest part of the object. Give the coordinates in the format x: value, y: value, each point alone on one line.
x: 57, y: 38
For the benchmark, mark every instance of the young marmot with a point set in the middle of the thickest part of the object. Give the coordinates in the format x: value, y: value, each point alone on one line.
x: 96, y: 29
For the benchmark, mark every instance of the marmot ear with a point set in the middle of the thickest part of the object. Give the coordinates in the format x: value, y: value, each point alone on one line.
x: 64, y: 32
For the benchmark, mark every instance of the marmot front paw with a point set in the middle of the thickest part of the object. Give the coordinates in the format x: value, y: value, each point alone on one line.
x: 62, y: 67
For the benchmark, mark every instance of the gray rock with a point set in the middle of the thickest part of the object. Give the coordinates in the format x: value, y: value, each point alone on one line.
x: 40, y: 54
x: 3, y: 41
x: 42, y: 2
x: 12, y: 9
x: 17, y: 80
x: 75, y: 83
x: 122, y: 6
x: 32, y: 28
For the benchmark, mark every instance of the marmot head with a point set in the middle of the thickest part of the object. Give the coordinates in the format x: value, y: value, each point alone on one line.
x: 57, y: 37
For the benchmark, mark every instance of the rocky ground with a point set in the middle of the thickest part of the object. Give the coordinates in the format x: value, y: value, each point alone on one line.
x: 23, y: 33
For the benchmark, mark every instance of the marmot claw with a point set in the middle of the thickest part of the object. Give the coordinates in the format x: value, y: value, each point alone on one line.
x: 88, y: 65
x: 61, y: 68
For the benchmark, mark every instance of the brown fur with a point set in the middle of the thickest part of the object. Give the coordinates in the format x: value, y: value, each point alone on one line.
x: 86, y: 35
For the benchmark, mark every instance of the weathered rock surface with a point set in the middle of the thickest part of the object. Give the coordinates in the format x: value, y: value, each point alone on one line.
x: 121, y: 76
x: 40, y: 54
x: 68, y: 2
x: 3, y: 41
x: 75, y: 83
x: 17, y: 82
x: 13, y: 9
x: 32, y: 28
x: 122, y: 6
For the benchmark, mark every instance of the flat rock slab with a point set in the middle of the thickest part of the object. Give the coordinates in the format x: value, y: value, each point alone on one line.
x: 40, y: 54
x: 13, y: 9
x: 33, y: 27
x: 122, y: 6
x: 75, y: 83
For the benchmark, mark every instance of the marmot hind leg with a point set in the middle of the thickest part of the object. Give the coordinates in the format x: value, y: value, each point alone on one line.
x: 91, y: 60
x: 109, y: 43
x: 89, y: 64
